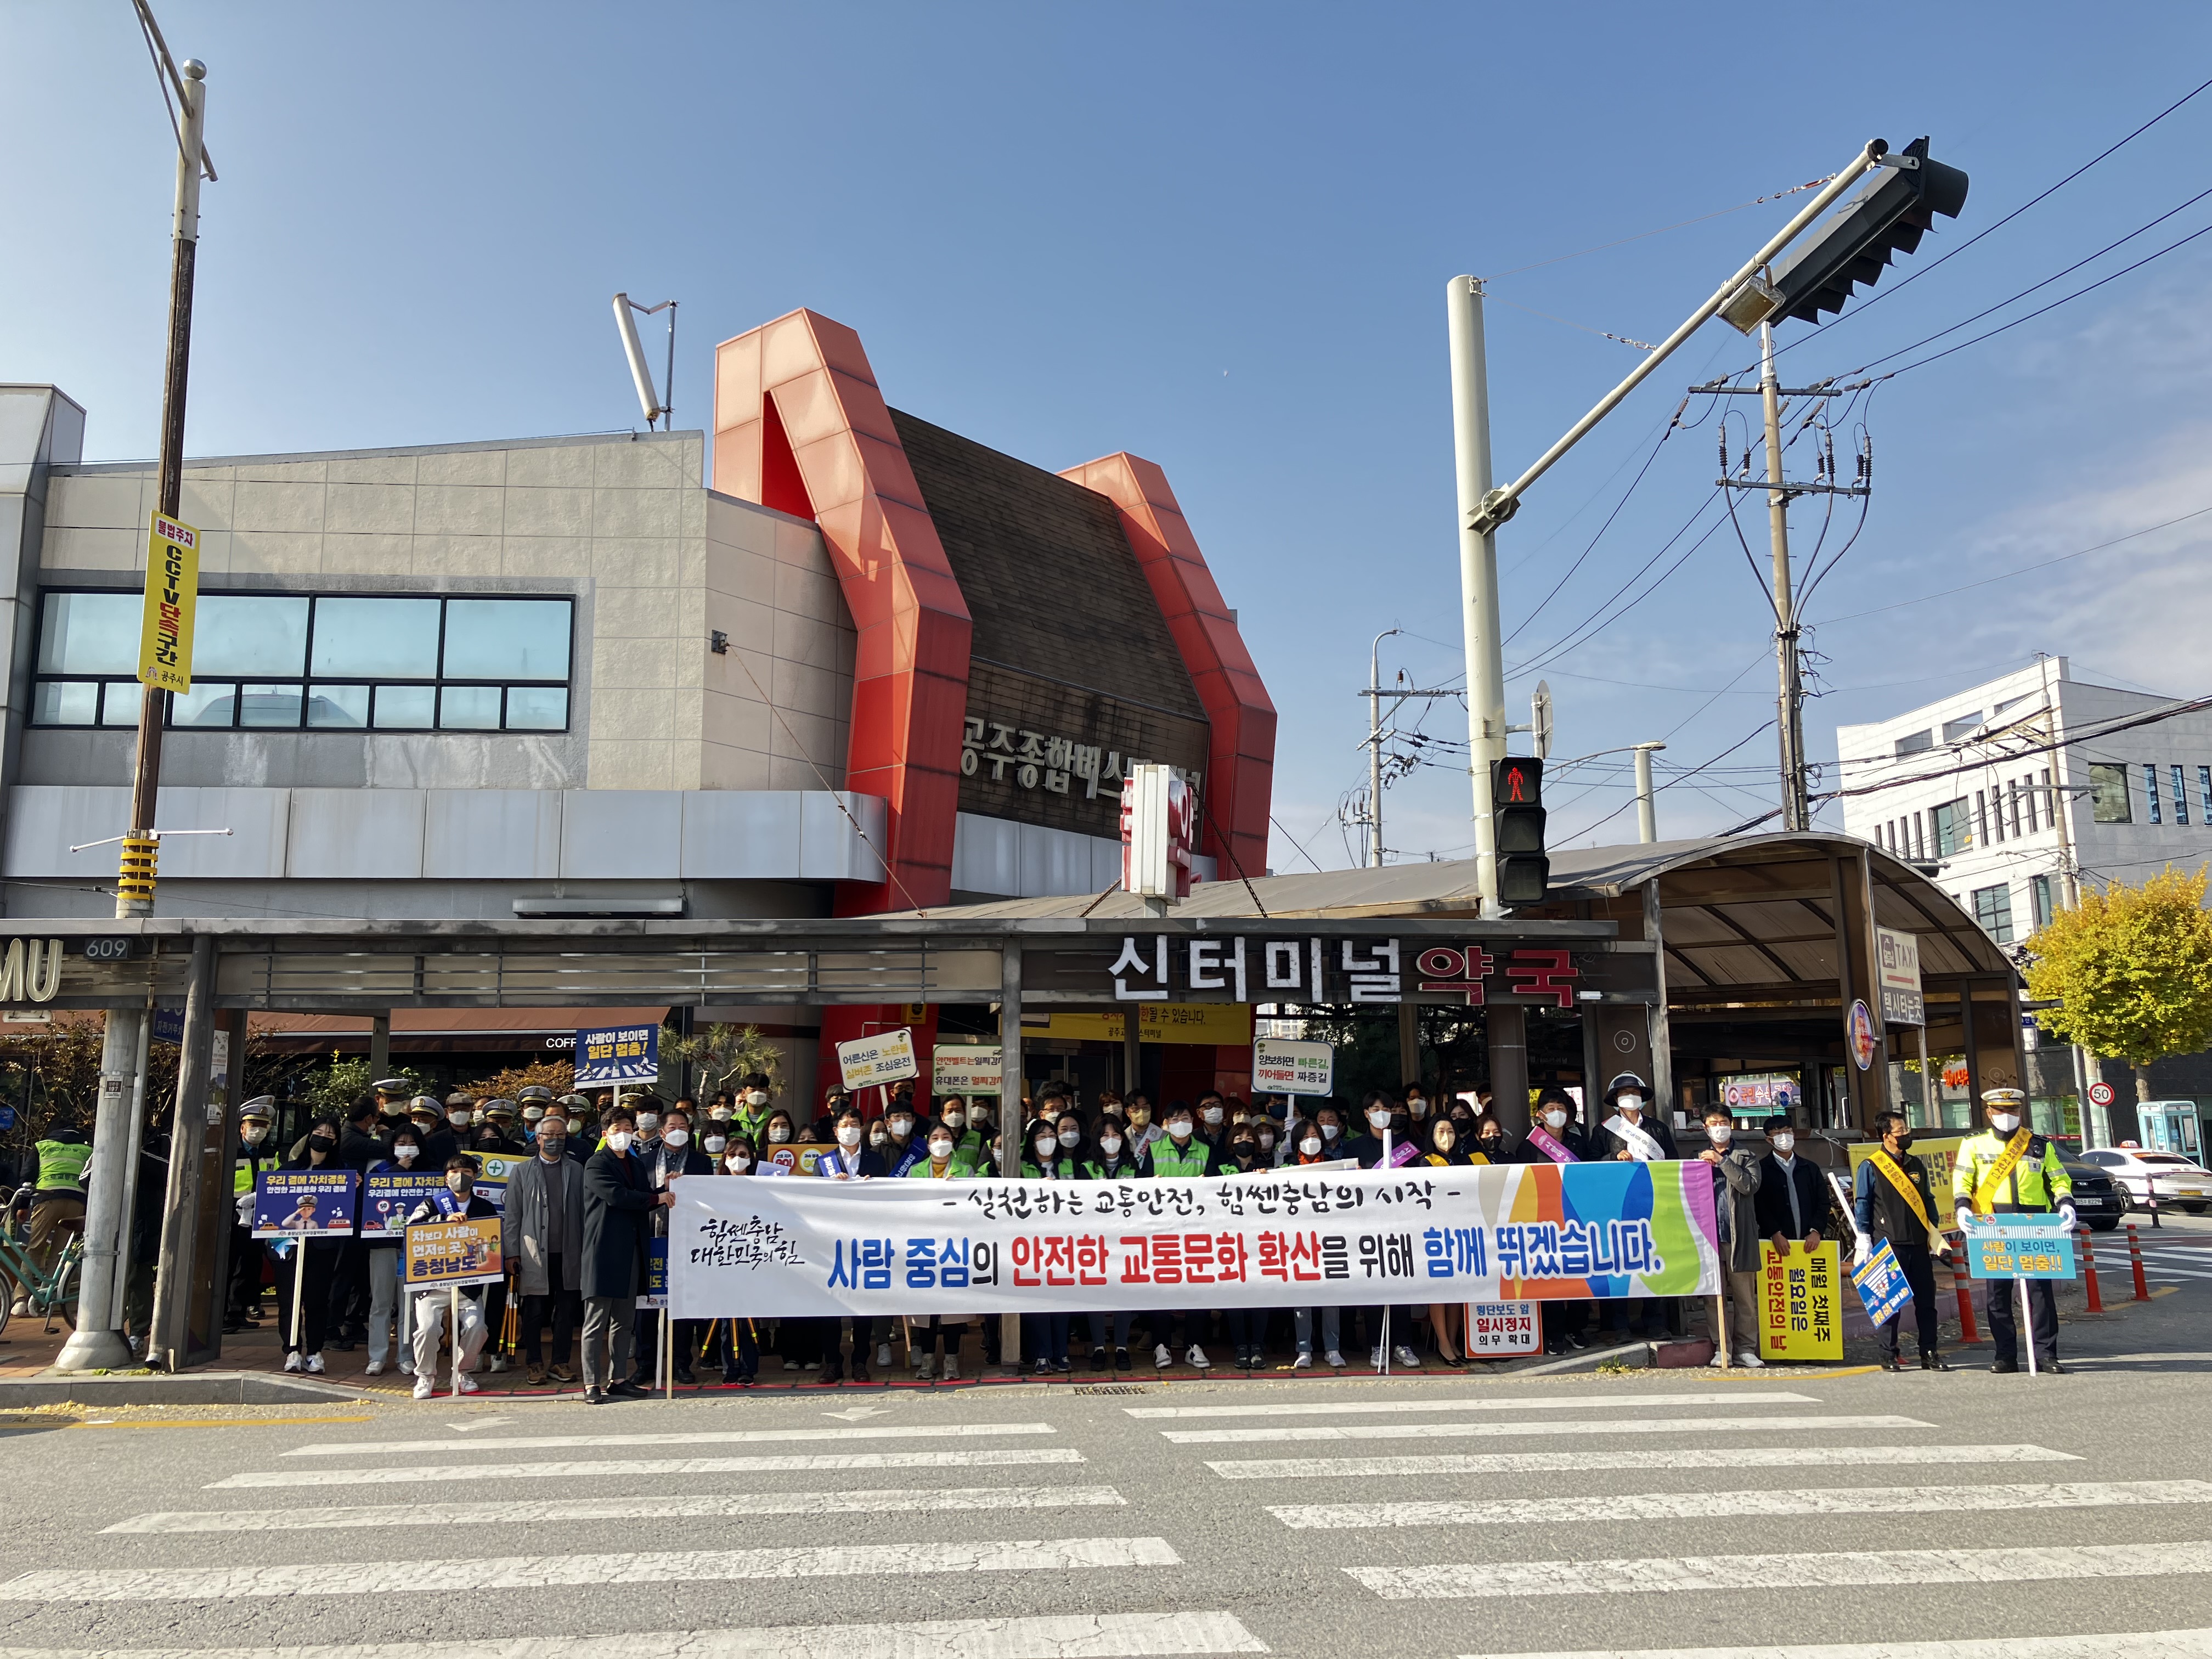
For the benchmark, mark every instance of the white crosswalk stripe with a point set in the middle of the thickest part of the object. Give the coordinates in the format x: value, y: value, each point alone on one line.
x: 1581, y: 1403
x: 1830, y: 1570
x: 691, y: 1438
x: 531, y: 1572
x: 599, y: 1469
x: 918, y: 1500
x: 2126, y: 1644
x: 1077, y: 1636
x: 1702, y: 1505
x: 1515, y: 1430
x: 1642, y: 1457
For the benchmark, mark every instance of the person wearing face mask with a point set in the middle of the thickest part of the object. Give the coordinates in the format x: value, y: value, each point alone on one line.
x: 903, y: 1147
x: 533, y: 1114
x: 1307, y: 1145
x: 488, y: 1135
x: 673, y: 1155
x: 439, y: 1141
x: 936, y: 1347
x: 1212, y: 1120
x: 1736, y: 1176
x: 1266, y: 1134
x: 647, y: 1110
x: 848, y: 1160
x: 736, y: 1346
x: 1416, y: 1105
x: 1891, y: 1199
x: 541, y: 1231
x: 952, y: 1114
x: 1634, y: 1134
x: 575, y: 1113
x: 361, y: 1148
x: 317, y: 1258
x: 1181, y: 1155
x: 253, y: 1155
x: 504, y: 1116
x: 2009, y: 1169
x: 391, y: 1100
x: 1328, y: 1123
x: 1444, y: 1150
x: 1492, y: 1144
x: 1794, y: 1201
x: 1143, y: 1131
x: 823, y: 1129
x: 1390, y: 1327
x: 398, y: 1155
x: 750, y: 1120
x: 1554, y: 1137
x: 777, y: 1131
x: 458, y: 1201
x: 1247, y: 1327
x: 1112, y: 1157
x: 619, y: 1200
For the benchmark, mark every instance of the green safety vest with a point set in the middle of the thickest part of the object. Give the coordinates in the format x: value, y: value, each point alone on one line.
x: 958, y: 1170
x: 2038, y: 1181
x: 61, y: 1166
x: 1127, y: 1169
x: 1063, y: 1168
x: 1190, y: 1161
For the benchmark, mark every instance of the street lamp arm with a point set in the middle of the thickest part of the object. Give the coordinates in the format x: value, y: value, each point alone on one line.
x: 1501, y: 504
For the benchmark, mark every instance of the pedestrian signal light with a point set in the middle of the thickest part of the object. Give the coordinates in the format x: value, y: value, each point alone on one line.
x: 1516, y: 807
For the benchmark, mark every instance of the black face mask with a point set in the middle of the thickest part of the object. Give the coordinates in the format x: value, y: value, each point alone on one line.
x: 1904, y: 1141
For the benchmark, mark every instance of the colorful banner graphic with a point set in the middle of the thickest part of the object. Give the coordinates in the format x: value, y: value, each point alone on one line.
x: 300, y: 1203
x: 441, y: 1253
x: 1882, y: 1286
x: 1492, y: 1233
x: 1801, y: 1316
x: 388, y: 1197
x: 2019, y: 1247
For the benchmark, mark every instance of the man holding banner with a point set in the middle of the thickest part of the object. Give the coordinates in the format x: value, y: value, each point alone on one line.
x: 1895, y: 1211
x: 459, y: 1202
x: 2008, y: 1169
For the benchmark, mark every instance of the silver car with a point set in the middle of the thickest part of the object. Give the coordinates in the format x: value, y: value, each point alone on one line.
x: 2175, y: 1179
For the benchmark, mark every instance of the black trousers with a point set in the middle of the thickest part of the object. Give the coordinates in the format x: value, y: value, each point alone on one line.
x: 1927, y: 1312
x: 559, y: 1308
x: 2000, y: 1306
x: 864, y: 1342
x: 247, y: 1261
x: 322, y: 1262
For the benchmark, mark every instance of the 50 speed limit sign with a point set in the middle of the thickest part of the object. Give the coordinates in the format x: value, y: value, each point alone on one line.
x: 2100, y: 1094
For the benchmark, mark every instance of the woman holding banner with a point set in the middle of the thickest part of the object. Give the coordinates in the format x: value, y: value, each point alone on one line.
x: 938, y: 1350
x: 317, y: 1258
x: 403, y: 1155
x: 1112, y: 1159
x: 1308, y: 1145
x: 458, y: 1202
x: 734, y: 1345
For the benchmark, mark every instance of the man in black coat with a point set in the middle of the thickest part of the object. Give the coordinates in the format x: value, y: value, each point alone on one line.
x: 360, y: 1149
x: 850, y: 1161
x: 1627, y: 1129
x: 618, y: 1202
x: 676, y: 1153
x: 1794, y: 1198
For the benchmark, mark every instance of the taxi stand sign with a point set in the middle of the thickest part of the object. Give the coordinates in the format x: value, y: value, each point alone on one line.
x: 172, y: 589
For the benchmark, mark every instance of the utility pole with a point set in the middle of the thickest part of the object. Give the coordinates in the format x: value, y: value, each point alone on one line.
x: 1477, y: 571
x: 1647, y: 816
x: 96, y: 1344
x: 1790, y: 697
x: 1375, y: 749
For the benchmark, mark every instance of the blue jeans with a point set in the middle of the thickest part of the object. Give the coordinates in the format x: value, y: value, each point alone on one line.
x: 1044, y: 1337
x: 1328, y: 1329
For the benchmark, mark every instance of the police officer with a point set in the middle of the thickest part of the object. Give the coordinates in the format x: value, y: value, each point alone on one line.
x: 2009, y: 1169
x: 439, y: 1142
x: 1890, y: 1200
x: 391, y: 1093
x: 492, y: 1133
x: 252, y: 1155
x: 576, y: 1113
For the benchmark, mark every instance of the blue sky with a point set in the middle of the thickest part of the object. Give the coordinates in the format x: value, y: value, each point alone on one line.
x: 1217, y: 236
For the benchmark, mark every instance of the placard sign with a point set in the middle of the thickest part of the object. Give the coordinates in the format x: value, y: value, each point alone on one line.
x: 437, y: 1254
x: 656, y: 1274
x: 886, y: 1057
x: 1495, y: 1329
x: 173, y: 590
x: 620, y: 1053
x: 388, y: 1197
x: 1280, y: 1067
x: 969, y: 1069
x: 2021, y: 1247
x: 1881, y: 1283
x: 1800, y: 1318
x: 1897, y: 976
x: 300, y: 1203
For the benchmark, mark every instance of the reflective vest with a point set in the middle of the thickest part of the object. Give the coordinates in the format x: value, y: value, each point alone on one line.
x: 1190, y: 1161
x: 1125, y: 1168
x: 1060, y: 1169
x: 61, y: 1166
x: 958, y: 1168
x: 2036, y: 1182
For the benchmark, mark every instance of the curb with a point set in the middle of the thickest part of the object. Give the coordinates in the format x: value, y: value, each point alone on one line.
x: 161, y: 1388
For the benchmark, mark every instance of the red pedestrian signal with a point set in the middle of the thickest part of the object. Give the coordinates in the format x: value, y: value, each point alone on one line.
x: 1516, y: 815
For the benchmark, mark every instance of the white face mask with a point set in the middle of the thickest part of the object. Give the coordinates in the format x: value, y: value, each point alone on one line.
x: 1331, y: 1131
x: 647, y: 1124
x: 848, y: 1134
x: 532, y: 1114
x: 1310, y: 1145
x: 756, y: 1098
x: 252, y: 1133
x: 1720, y: 1133
x: 877, y: 1137
x: 1071, y: 1137
x: 2004, y: 1122
x: 738, y: 1162
x: 1046, y: 1146
x: 1378, y: 1119
x: 619, y: 1141
x: 406, y: 1152
x: 1211, y: 1114
x: 1785, y: 1143
x: 1418, y: 1107
x: 719, y: 1113
x: 1180, y: 1129
x: 460, y: 1119
x: 1556, y: 1118
x: 1631, y: 1103
x: 1266, y: 1142
x: 678, y: 1137
x: 1110, y: 1145
x: 940, y: 1150
x: 715, y: 1143
x: 902, y: 1125
x: 779, y: 1134
x: 457, y: 1181
x: 956, y: 1120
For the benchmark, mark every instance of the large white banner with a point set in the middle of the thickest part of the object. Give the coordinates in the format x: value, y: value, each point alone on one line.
x: 742, y: 1246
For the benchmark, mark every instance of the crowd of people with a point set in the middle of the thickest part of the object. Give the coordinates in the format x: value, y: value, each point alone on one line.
x: 590, y: 1188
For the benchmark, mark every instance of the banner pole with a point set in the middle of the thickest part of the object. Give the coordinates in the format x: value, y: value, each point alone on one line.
x: 2027, y: 1326
x: 1386, y: 1164
x: 667, y: 1353
x: 299, y: 1286
x: 1720, y: 1323
x: 454, y: 1309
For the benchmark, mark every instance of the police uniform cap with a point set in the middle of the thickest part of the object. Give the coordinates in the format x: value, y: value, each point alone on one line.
x: 2004, y: 1097
x: 461, y: 1097
x: 533, y: 1091
x: 425, y: 1103
x: 261, y: 1106
x: 505, y: 1108
x: 390, y: 1085
x: 575, y: 1103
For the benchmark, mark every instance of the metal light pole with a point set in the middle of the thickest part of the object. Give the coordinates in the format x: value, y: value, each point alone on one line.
x: 96, y: 1344
x: 1374, y: 748
x: 1478, y: 570
x: 1647, y: 816
x: 1790, y: 698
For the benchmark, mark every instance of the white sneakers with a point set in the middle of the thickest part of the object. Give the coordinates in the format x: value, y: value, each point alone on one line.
x: 952, y: 1368
x: 406, y: 1363
x: 1406, y: 1357
x: 882, y: 1356
x: 315, y: 1365
x: 923, y: 1366
x: 1302, y: 1362
x: 1751, y: 1361
x: 1375, y: 1356
x: 1196, y: 1359
x: 1161, y: 1357
x: 1334, y: 1359
x: 424, y: 1388
x: 498, y: 1362
x: 292, y: 1362
x: 374, y: 1368
x: 468, y: 1384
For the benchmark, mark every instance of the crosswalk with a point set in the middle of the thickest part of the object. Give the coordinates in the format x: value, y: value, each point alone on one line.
x: 2161, y: 1261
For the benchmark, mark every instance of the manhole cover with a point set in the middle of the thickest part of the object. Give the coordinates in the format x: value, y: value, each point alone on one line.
x: 1112, y: 1388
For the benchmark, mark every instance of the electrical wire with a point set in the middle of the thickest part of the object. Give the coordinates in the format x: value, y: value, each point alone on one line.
x: 1719, y: 213
x: 1591, y: 626
x: 1601, y: 529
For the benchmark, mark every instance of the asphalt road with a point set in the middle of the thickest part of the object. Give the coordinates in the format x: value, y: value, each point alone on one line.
x: 1858, y: 1515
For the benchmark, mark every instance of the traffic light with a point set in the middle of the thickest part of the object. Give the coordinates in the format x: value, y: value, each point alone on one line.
x: 1851, y: 248
x: 1517, y: 808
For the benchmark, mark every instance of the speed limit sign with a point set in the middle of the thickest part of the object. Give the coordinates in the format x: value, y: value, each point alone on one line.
x: 2100, y: 1094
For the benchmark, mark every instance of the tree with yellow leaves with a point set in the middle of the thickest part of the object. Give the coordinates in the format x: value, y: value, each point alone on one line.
x: 2130, y: 970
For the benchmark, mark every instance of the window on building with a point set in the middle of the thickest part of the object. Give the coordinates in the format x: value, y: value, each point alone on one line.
x: 1993, y: 909
x: 1965, y: 726
x: 2039, y: 897
x: 1915, y: 744
x: 1954, y: 831
x: 2204, y: 792
x: 2011, y: 702
x: 2109, y: 801
x: 332, y: 662
x: 2150, y: 793
x: 1919, y: 839
x: 2180, y: 799
x: 2028, y: 797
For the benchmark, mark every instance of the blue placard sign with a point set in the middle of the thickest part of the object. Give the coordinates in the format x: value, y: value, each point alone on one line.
x: 1882, y: 1285
x: 656, y: 1274
x: 620, y: 1054
x: 2019, y: 1247
x: 301, y: 1203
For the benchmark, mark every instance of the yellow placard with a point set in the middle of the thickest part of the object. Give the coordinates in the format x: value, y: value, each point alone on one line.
x: 1228, y: 1023
x: 1801, y: 1315
x: 464, y: 1252
x: 1939, y: 1155
x: 173, y: 593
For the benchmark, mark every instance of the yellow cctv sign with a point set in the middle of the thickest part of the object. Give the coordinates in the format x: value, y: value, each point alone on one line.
x: 172, y: 592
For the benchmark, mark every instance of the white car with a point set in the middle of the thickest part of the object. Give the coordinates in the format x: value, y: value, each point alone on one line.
x: 2177, y: 1179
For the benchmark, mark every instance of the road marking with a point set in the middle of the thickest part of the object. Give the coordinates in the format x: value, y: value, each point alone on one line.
x: 1591, y: 1403
x: 216, y: 1423
x: 1768, y: 1573
x: 1080, y: 1636
x: 2146, y: 1644
x: 1675, y: 1457
x: 695, y: 1437
x: 2140, y: 1358
x: 474, y: 1428
x: 624, y: 1509
x: 857, y: 1414
x: 531, y: 1572
x: 795, y: 1462
x: 1515, y: 1430
x: 1697, y: 1505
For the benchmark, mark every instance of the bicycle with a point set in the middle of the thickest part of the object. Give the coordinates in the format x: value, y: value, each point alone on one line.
x: 47, y: 1291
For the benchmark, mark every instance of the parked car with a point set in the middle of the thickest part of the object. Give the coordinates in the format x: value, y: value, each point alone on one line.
x: 2179, y: 1180
x: 2101, y: 1201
